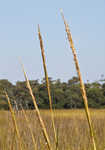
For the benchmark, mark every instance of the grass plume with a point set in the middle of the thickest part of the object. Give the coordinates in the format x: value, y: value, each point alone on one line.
x: 83, y: 91
x: 14, y: 121
x: 37, y: 112
x: 47, y: 81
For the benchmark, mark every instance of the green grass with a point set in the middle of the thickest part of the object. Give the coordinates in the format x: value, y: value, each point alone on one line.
x: 71, y: 125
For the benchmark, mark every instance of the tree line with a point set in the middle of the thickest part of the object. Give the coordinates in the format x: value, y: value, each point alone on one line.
x: 65, y: 95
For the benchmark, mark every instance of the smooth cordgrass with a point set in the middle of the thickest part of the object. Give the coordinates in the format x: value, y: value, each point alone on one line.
x: 83, y: 91
x: 47, y: 82
x: 28, y: 124
x: 14, y: 121
x: 37, y: 111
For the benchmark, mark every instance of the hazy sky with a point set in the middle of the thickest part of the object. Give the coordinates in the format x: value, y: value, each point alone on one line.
x: 18, y: 38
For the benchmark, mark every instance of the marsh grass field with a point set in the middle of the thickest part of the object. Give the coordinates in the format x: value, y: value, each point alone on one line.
x: 71, y: 127
x: 51, y: 129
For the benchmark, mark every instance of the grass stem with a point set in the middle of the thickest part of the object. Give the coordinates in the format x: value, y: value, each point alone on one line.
x: 83, y: 91
x: 14, y: 121
x: 47, y: 82
x: 37, y: 112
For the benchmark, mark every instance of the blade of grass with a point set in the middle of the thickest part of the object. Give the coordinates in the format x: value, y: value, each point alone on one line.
x: 83, y: 91
x: 14, y: 121
x: 47, y: 81
x: 37, y: 111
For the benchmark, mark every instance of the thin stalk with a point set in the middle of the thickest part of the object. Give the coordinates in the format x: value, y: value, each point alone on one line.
x: 83, y: 91
x: 37, y: 112
x: 13, y: 139
x: 14, y: 121
x: 47, y: 81
x: 28, y: 123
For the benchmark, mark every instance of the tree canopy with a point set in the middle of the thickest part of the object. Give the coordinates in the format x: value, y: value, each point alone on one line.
x: 65, y: 95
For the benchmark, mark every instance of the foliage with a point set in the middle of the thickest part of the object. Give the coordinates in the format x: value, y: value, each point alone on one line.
x: 64, y: 94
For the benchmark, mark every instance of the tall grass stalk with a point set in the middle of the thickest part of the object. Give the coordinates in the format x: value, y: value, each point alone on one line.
x: 14, y: 121
x: 28, y: 123
x: 13, y: 140
x: 83, y: 91
x: 37, y: 112
x: 47, y: 81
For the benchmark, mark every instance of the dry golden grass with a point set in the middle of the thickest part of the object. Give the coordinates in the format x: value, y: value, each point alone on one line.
x: 40, y: 120
x: 72, y: 130
x: 14, y: 122
x: 29, y: 126
x: 83, y: 91
x: 33, y: 127
x: 47, y: 83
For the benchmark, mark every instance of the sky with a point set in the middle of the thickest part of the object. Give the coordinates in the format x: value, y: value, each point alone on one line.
x: 19, y: 38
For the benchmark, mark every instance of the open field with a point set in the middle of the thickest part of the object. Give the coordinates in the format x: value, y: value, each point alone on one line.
x: 71, y: 126
x: 48, y: 130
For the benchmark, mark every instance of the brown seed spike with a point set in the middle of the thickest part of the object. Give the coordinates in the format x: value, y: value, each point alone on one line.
x: 37, y: 111
x: 14, y: 120
x: 47, y: 82
x: 83, y: 91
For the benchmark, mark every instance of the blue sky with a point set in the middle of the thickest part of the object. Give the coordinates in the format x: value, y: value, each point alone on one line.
x: 18, y: 38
